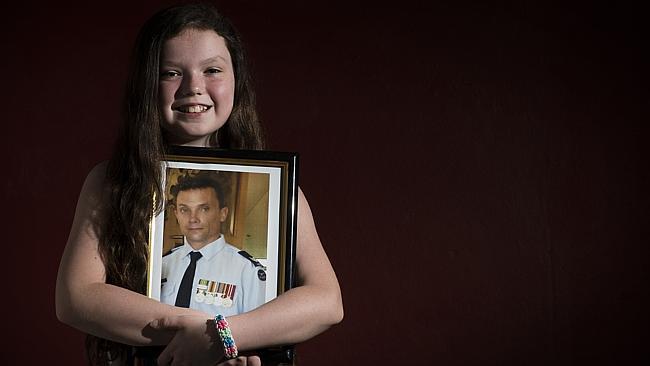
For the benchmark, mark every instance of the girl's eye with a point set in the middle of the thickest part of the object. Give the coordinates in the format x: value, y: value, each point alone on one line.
x: 213, y: 70
x: 169, y: 74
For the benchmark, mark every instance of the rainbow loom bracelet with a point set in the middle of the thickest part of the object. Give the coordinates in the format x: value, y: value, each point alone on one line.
x: 229, y: 347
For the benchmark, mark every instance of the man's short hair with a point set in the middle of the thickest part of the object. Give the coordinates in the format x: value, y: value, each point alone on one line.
x: 198, y: 181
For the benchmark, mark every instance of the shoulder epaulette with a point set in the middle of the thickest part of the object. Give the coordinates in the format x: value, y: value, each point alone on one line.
x: 173, y: 250
x: 246, y: 255
x: 261, y: 270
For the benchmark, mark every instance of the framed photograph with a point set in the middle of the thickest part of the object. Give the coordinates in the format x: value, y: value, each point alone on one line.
x: 224, y: 242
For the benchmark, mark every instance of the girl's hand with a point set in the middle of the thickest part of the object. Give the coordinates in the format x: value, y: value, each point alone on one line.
x: 243, y: 361
x: 196, y: 342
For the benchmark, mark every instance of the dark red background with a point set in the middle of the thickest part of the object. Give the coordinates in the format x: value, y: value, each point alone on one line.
x: 476, y: 171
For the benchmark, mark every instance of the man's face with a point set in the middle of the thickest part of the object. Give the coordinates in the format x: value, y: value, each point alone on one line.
x: 199, y: 216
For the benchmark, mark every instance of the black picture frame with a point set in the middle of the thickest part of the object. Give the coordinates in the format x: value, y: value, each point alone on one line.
x: 247, y: 173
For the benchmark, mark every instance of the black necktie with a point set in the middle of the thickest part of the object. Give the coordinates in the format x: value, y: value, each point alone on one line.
x: 185, y: 290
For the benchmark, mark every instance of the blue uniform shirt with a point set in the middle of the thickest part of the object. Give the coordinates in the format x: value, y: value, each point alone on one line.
x: 225, y: 282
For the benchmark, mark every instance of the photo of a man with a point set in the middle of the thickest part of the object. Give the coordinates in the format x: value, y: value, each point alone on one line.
x: 205, y: 272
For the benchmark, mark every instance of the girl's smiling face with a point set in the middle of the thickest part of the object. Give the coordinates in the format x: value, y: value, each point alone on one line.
x: 196, y: 86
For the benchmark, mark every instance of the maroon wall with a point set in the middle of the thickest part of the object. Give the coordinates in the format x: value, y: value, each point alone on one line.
x: 475, y: 172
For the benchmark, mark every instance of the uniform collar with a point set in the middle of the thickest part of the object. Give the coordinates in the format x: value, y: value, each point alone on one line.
x: 207, y: 251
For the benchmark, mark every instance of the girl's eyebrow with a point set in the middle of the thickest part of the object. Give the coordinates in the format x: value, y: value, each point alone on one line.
x: 214, y: 59
x: 211, y: 60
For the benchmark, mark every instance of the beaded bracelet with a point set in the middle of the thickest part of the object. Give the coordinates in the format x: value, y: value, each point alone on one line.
x: 229, y: 347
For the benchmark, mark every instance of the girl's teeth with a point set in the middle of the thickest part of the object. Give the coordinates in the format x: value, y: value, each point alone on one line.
x: 194, y: 109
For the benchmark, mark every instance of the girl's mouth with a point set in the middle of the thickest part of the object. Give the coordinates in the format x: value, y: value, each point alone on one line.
x: 193, y: 108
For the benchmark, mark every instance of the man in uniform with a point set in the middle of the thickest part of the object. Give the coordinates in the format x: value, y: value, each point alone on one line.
x: 206, y: 273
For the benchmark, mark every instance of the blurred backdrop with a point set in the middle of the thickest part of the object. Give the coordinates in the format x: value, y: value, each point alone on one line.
x: 475, y: 171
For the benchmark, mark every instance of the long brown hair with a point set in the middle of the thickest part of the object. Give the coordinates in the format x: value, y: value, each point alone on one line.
x: 133, y: 172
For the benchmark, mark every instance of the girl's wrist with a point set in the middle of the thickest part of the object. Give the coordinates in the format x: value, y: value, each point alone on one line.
x: 225, y: 336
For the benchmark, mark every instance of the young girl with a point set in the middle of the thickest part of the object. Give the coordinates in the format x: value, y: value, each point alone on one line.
x: 189, y: 85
